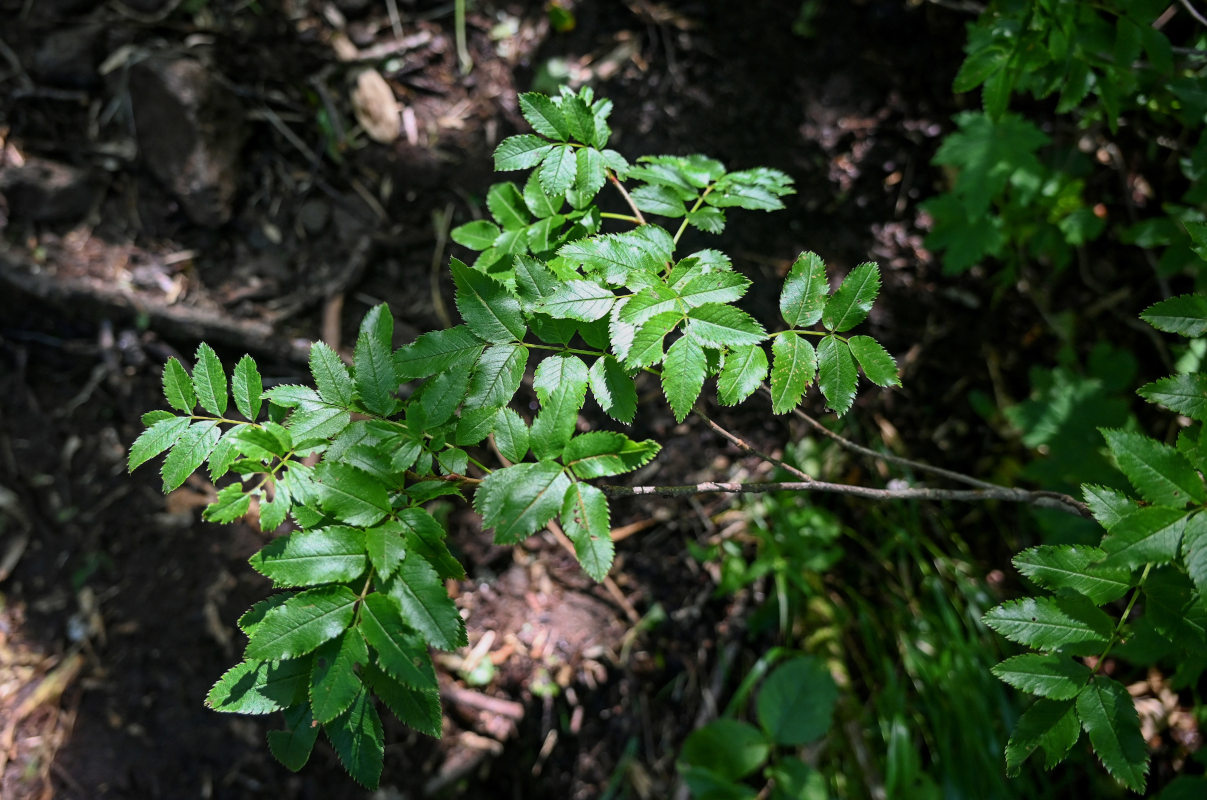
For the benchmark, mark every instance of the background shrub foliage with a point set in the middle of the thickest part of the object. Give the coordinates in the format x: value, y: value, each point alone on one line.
x: 351, y: 462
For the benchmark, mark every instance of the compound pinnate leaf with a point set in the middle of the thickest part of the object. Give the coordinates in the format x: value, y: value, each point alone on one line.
x: 331, y: 377
x: 511, y: 435
x: 178, y: 387
x: 803, y: 297
x: 520, y: 152
x: 613, y: 389
x: 516, y: 501
x: 1147, y: 535
x: 209, y: 380
x: 586, y: 520
x: 683, y: 375
x: 293, y: 745
x: 1076, y: 568
x: 434, y: 352
x: 558, y: 170
x: 302, y: 623
x: 598, y: 454
x: 189, y: 453
x: 1047, y: 623
x: 793, y: 366
x: 852, y: 301
x: 246, y: 387
x: 487, y: 307
x: 1045, y: 674
x: 497, y: 375
x: 722, y: 325
x: 154, y: 440
x: 376, y: 381
x: 351, y: 495
x: 878, y: 365
x: 309, y: 558
x: 1185, y: 315
x: 1185, y: 394
x: 231, y: 504
x: 1160, y: 473
x: 544, y: 116
x: 796, y: 703
x: 358, y: 740
x: 401, y: 651
x: 744, y: 371
x: 426, y: 606
x: 260, y: 687
x: 333, y: 682
x: 416, y: 708
x: 836, y: 374
x: 1048, y: 724
x: 581, y: 300
x: 1108, y: 715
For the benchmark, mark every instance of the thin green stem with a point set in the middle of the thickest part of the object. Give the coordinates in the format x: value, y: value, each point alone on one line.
x: 622, y: 217
x: 1116, y: 635
x: 805, y: 333
x: 696, y: 207
x: 574, y: 350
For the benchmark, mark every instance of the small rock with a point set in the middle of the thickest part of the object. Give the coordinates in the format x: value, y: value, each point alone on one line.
x: 47, y: 191
x: 190, y: 131
x: 376, y: 108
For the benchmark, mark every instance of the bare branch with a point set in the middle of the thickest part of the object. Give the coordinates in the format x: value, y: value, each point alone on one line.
x: 628, y: 198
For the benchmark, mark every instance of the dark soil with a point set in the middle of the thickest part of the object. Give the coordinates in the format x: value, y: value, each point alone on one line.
x: 128, y: 600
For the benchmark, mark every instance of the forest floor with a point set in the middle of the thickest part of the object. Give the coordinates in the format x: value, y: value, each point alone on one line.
x: 177, y: 172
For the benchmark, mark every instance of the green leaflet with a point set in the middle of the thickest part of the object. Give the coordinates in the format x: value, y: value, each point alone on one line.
x: 683, y: 373
x: 246, y: 387
x: 209, y: 380
x: 722, y: 325
x: 758, y: 189
x: 649, y: 302
x: 1107, y: 505
x: 586, y: 520
x: 623, y: 257
x: 419, y: 709
x: 231, y: 504
x: 1108, y: 715
x: 796, y: 703
x: 646, y: 348
x: 731, y: 748
x: 589, y: 172
x: 477, y: 235
x: 516, y: 501
x: 426, y: 606
x: 425, y: 536
x: 331, y: 377
x: 1185, y: 394
x: 497, y: 375
x: 520, y: 152
x: 260, y: 687
x: 309, y: 558
x: 558, y: 170
x: 1194, y: 550
x: 189, y: 453
x: 486, y: 306
x: 557, y: 371
x: 1069, y: 567
x: 743, y: 373
x: 351, y: 495
x: 659, y: 200
x: 302, y: 623
x: 474, y: 425
x: 1048, y: 724
x: 154, y: 440
x: 539, y: 203
x: 1147, y: 535
x: 293, y: 745
x: 713, y: 287
x: 852, y: 301
x: 581, y: 300
x: 442, y: 393
x: 178, y: 387
x: 1047, y: 623
x: 1185, y: 315
x: 598, y: 454
x: 803, y: 297
x: 226, y: 453
x: 1160, y: 473
x: 613, y: 389
x: 557, y: 419
x: 435, y: 352
x: 1047, y: 675
x: 357, y: 738
x: 401, y: 652
x: 793, y: 365
x: 511, y: 435
x: 376, y: 381
x: 385, y: 546
x: 877, y: 364
x: 836, y: 374
x: 507, y: 206
x: 334, y: 684
x: 544, y: 117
